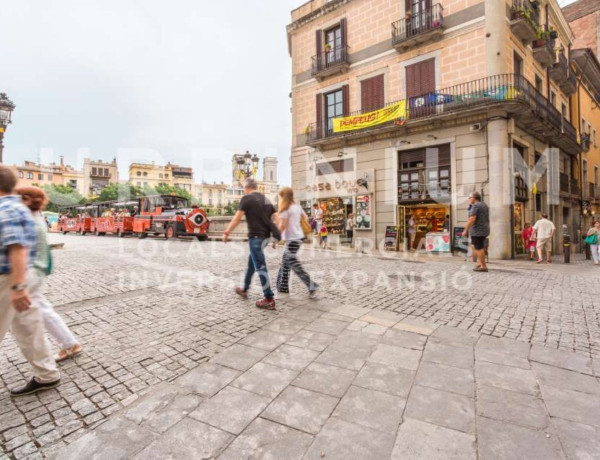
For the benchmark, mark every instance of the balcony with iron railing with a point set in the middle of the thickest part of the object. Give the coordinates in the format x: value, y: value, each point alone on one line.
x: 558, y: 70
x: 569, y: 185
x: 509, y: 92
x: 525, y: 20
x: 543, y: 48
x: 418, y: 27
x: 569, y: 86
x: 331, y: 61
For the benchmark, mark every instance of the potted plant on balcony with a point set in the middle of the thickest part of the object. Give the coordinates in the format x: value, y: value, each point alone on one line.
x: 541, y: 37
x: 328, y: 47
x: 553, y: 34
x: 435, y: 24
x: 518, y: 12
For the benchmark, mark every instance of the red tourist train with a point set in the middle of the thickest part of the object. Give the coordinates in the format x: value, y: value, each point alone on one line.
x: 166, y: 215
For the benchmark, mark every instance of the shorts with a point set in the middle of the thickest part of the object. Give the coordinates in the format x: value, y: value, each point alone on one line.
x: 478, y: 242
x: 544, y: 243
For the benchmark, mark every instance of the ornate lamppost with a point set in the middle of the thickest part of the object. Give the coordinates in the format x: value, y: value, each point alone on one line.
x: 6, y: 108
x: 247, y: 165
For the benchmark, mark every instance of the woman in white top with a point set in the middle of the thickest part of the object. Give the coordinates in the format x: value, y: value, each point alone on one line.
x: 290, y: 216
x: 35, y: 199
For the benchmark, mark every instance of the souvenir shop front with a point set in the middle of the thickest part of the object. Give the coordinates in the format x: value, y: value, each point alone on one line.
x: 424, y: 183
x: 339, y: 196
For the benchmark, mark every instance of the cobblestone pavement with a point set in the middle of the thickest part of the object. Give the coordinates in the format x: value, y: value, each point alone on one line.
x: 149, y: 311
x: 344, y: 382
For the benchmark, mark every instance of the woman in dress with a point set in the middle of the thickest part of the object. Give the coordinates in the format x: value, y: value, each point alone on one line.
x: 290, y: 215
x: 35, y: 199
x: 528, y: 240
x: 595, y: 230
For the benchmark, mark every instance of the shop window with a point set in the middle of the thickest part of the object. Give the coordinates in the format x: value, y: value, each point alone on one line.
x: 336, y: 166
x: 29, y: 175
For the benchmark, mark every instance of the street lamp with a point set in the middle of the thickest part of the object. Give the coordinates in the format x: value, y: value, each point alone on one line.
x: 247, y: 165
x: 6, y: 108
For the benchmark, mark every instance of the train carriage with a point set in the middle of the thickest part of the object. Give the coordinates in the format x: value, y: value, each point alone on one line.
x: 68, y: 220
x: 115, y: 217
x: 170, y: 216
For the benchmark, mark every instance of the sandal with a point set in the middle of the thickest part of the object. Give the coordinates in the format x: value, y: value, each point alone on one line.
x: 480, y: 269
x: 539, y: 261
x: 68, y: 353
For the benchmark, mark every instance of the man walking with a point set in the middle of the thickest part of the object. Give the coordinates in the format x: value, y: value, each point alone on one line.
x: 478, y: 228
x: 17, y: 254
x: 258, y: 211
x: 544, y: 231
x: 317, y: 215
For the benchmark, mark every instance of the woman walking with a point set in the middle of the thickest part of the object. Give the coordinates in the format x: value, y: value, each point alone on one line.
x: 290, y: 217
x: 350, y: 228
x: 592, y: 237
x: 35, y: 199
x: 528, y: 240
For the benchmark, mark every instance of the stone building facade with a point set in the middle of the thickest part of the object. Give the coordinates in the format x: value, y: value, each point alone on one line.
x: 471, y: 105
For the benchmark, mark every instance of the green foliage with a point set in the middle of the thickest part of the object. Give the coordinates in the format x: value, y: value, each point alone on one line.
x: 171, y: 190
x: 230, y: 209
x: 62, y: 195
x: 120, y: 192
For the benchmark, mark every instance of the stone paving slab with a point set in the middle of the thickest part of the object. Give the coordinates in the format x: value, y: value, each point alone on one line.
x: 151, y: 323
x: 392, y: 402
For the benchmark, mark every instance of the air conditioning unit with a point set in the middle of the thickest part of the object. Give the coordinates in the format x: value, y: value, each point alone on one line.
x: 475, y: 127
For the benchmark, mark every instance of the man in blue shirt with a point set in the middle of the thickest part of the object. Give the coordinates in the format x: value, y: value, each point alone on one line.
x: 17, y: 254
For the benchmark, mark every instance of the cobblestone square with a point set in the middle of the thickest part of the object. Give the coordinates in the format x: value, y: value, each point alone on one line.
x: 148, y: 312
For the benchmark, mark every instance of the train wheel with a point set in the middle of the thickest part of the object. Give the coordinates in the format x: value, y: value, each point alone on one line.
x: 170, y: 232
x: 64, y: 233
x: 202, y: 237
x: 120, y: 233
x: 83, y: 233
x: 142, y: 235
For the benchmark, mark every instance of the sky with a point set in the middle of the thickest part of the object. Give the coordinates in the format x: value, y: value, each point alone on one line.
x: 185, y: 81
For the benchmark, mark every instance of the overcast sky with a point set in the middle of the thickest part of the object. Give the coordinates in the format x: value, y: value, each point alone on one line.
x: 192, y: 80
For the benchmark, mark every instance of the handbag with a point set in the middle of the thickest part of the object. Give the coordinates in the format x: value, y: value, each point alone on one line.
x: 305, y: 224
x: 591, y: 239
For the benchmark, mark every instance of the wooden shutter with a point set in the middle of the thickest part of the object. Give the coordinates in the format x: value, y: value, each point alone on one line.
x: 372, y: 93
x: 412, y: 81
x: 319, y: 42
x: 420, y: 78
x: 428, y: 76
x: 343, y: 32
x: 346, y: 100
x: 319, y: 115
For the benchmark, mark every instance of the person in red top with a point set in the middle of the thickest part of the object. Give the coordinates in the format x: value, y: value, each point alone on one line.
x: 528, y: 240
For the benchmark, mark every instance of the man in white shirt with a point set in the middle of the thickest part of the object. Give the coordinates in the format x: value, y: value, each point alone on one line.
x: 317, y: 215
x: 544, y: 231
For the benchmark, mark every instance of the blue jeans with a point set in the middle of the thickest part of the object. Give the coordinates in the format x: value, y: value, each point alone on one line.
x: 257, y: 263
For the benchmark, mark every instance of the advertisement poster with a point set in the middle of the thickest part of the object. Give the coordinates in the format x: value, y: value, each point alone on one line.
x: 460, y: 243
x: 437, y: 242
x: 391, y: 238
x: 363, y: 212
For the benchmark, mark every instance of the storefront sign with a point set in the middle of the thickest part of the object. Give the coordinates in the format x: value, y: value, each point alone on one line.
x: 363, y: 212
x: 346, y: 186
x: 437, y: 242
x: 391, y: 238
x: 369, y: 119
x: 459, y: 242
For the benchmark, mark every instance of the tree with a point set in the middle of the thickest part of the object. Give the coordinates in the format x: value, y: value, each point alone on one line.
x: 62, y: 195
x: 120, y: 192
x: 231, y: 208
x: 171, y: 190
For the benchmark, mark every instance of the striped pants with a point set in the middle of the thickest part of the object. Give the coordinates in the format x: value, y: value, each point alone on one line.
x: 290, y: 262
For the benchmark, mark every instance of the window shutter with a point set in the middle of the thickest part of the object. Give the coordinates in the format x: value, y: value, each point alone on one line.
x: 428, y: 76
x: 412, y: 82
x: 319, y: 115
x: 346, y: 100
x: 319, y: 42
x: 372, y: 93
x: 343, y: 32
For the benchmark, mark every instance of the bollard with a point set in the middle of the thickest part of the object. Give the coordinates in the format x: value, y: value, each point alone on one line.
x: 588, y: 252
x: 567, y: 248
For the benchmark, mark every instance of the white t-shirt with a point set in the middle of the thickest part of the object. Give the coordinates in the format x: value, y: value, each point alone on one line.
x: 544, y: 228
x: 318, y: 214
x: 293, y: 230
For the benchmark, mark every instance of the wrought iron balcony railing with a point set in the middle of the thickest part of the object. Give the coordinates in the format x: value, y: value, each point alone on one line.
x: 417, y: 24
x: 330, y: 61
x: 512, y: 90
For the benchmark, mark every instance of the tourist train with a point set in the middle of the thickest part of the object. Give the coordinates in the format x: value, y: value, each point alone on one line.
x: 166, y: 215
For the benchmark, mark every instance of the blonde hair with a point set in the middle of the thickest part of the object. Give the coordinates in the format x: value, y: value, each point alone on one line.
x: 287, y: 198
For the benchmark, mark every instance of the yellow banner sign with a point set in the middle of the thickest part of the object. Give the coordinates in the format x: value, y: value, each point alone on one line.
x: 369, y: 119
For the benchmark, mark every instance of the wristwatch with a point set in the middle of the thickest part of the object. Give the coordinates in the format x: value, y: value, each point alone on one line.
x: 19, y: 287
